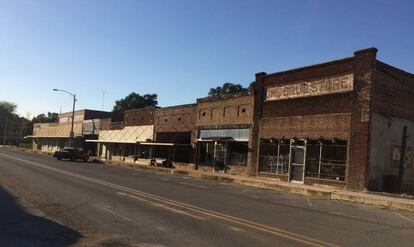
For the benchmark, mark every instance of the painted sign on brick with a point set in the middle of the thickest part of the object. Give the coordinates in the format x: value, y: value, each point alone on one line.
x: 330, y: 85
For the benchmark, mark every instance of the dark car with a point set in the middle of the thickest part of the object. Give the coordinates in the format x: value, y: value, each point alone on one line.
x: 72, y: 154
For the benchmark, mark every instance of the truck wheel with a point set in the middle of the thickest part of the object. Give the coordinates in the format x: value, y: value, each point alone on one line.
x: 73, y: 158
x: 59, y: 158
x: 86, y: 159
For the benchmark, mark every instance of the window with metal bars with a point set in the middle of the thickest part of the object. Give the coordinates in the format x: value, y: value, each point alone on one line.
x: 326, y: 159
x: 274, y: 156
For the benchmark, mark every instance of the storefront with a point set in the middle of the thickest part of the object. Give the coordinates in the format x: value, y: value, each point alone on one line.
x: 51, y: 137
x: 223, y: 133
x: 124, y: 144
x: 295, y: 159
x: 311, y: 123
x: 221, y: 148
x: 174, y: 130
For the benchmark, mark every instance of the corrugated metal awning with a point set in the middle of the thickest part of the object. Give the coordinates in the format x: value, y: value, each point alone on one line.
x: 51, y: 136
x: 163, y: 144
x: 236, y: 134
x: 110, y: 141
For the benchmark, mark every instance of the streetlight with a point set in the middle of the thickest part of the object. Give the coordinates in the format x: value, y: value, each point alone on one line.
x: 73, y: 113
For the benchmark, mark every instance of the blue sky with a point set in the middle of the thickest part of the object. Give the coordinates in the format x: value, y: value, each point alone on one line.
x: 180, y: 49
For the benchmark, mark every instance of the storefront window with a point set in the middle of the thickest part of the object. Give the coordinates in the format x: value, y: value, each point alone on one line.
x: 274, y: 156
x: 237, y: 153
x: 182, y: 154
x: 143, y: 152
x: 161, y: 152
x: 206, y: 152
x: 326, y: 159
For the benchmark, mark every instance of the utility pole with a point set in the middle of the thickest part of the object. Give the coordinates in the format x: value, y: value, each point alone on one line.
x: 402, y: 158
x: 71, y: 135
x: 103, y: 98
x: 73, y: 119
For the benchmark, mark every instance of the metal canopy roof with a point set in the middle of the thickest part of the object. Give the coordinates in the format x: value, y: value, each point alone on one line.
x: 140, y: 143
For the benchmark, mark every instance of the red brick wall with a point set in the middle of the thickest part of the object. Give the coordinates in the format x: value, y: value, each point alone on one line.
x: 326, y: 104
x: 312, y: 117
x: 312, y: 127
x: 364, y: 68
x: 393, y: 92
x: 137, y: 117
x: 227, y: 112
x: 93, y: 114
x: 223, y: 111
x: 175, y: 119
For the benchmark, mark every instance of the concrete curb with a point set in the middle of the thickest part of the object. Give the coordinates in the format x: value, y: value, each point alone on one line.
x: 375, y: 200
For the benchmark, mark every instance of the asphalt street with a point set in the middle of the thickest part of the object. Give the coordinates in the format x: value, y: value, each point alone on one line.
x: 102, y: 205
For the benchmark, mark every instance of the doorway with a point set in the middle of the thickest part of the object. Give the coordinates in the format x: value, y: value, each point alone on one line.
x: 297, y: 162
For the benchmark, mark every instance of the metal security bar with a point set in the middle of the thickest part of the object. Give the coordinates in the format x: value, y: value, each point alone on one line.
x: 326, y: 160
x: 274, y: 157
x: 237, y: 159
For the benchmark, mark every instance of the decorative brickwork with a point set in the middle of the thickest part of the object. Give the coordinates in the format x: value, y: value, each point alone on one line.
x: 137, y: 117
x: 312, y: 127
x: 223, y: 111
x: 176, y: 119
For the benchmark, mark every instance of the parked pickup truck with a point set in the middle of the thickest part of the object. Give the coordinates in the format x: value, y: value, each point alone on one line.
x: 71, y: 154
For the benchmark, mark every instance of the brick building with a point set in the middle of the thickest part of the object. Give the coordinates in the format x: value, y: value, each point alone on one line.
x: 223, y: 133
x: 120, y: 140
x: 50, y: 137
x: 337, y: 123
x: 174, y: 131
x: 163, y: 134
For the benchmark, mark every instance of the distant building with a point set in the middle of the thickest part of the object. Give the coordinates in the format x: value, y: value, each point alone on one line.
x: 163, y: 134
x: 50, y: 137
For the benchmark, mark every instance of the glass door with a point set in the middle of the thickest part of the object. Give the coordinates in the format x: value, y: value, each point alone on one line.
x: 297, y: 163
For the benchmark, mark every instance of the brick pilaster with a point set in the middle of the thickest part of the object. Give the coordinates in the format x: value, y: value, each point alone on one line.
x: 257, y: 115
x: 364, y: 66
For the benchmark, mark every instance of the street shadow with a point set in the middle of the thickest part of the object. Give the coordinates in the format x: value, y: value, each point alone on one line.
x: 91, y: 161
x: 21, y: 228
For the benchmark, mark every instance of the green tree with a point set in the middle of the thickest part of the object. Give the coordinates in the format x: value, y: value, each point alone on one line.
x: 228, y: 88
x: 7, y: 107
x: 133, y: 101
x: 51, y: 117
x: 252, y: 86
x: 10, y: 123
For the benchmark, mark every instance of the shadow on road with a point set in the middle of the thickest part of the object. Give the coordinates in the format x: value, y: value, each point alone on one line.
x: 20, y: 228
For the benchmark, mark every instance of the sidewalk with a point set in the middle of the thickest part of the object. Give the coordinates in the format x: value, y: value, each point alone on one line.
x: 377, y: 199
